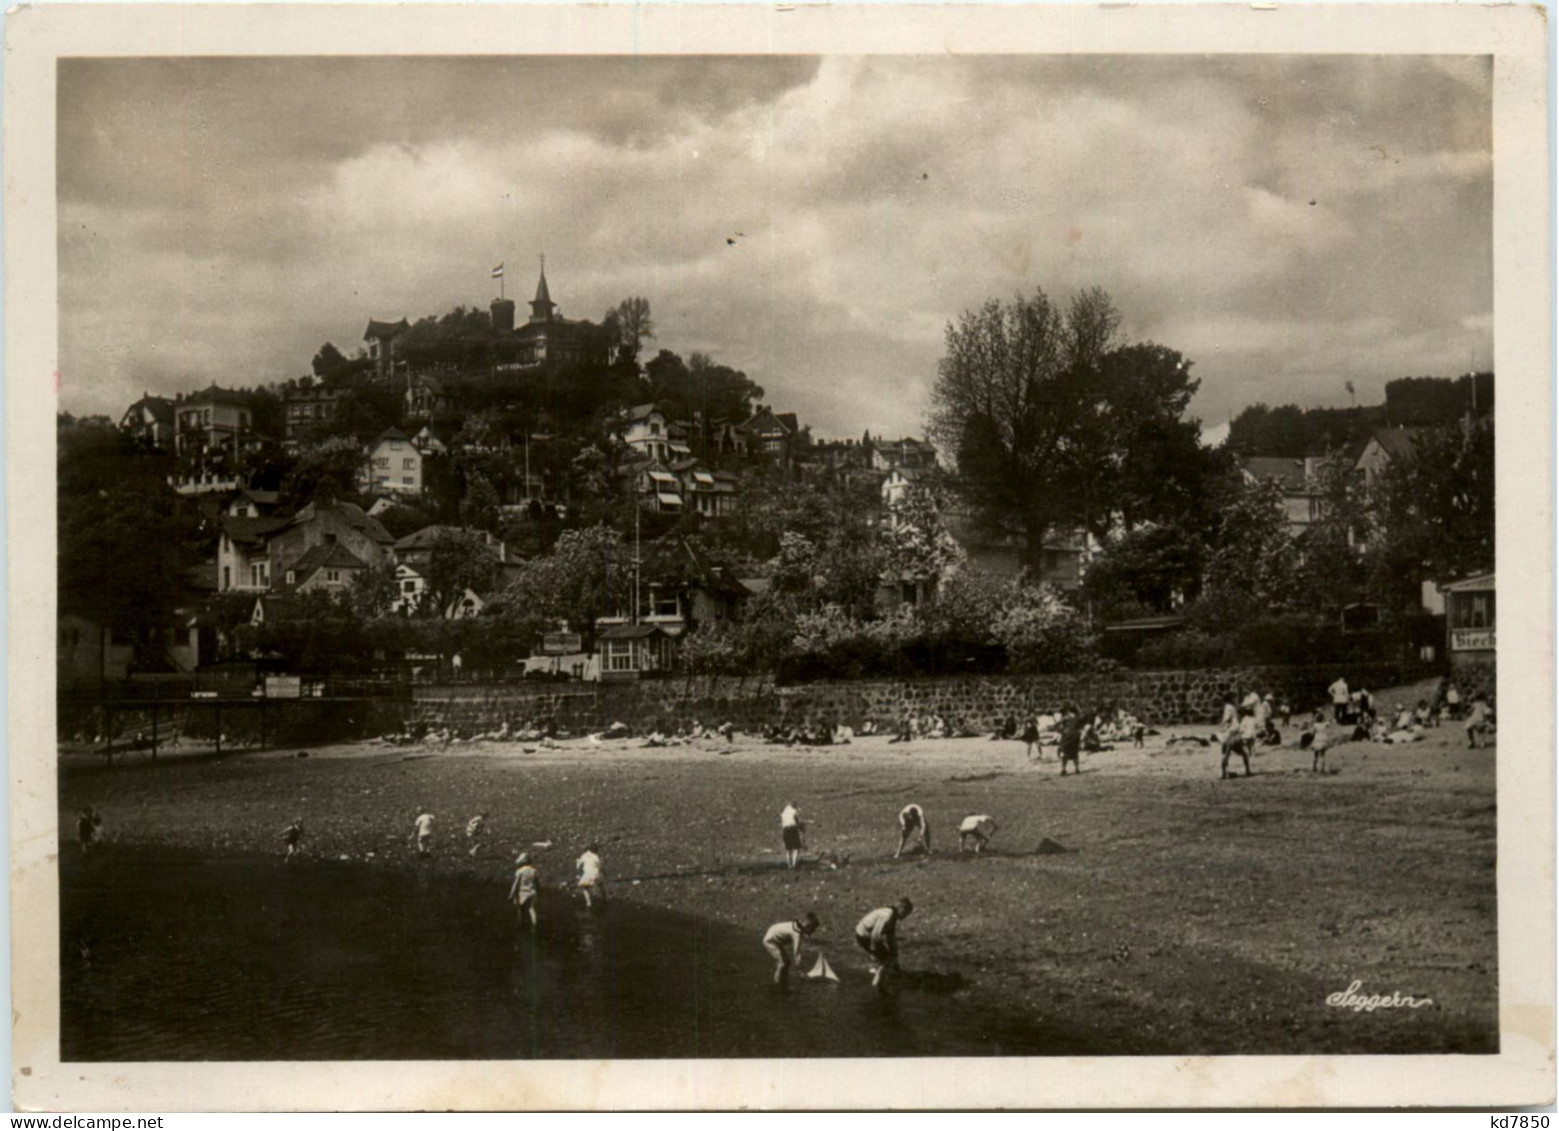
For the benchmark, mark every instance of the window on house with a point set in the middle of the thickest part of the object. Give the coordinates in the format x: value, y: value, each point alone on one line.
x: 408, y: 481
x: 227, y: 577
x: 332, y: 575
x: 292, y: 577
x: 408, y: 586
x: 408, y: 463
x: 619, y: 656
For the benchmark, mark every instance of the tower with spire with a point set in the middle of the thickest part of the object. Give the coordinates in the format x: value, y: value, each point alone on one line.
x: 547, y: 336
x: 542, y: 308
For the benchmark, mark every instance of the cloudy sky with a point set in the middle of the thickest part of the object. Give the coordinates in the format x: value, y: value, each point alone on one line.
x: 1289, y: 224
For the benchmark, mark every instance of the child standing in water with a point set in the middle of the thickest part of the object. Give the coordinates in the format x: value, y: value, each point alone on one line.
x: 522, y: 892
x: 423, y: 832
x: 291, y: 835
x: 591, y: 878
x: 476, y: 829
x: 783, y: 942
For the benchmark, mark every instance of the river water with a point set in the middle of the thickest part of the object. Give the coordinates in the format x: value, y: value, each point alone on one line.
x: 168, y: 956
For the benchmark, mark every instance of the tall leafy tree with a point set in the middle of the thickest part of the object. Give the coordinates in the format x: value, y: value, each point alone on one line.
x: 630, y: 322
x: 1044, y: 413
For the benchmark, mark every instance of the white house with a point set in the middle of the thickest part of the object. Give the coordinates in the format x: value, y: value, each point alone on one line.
x: 644, y: 430
x: 394, y: 464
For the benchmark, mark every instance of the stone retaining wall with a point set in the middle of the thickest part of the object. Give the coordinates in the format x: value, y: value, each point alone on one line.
x: 1159, y: 698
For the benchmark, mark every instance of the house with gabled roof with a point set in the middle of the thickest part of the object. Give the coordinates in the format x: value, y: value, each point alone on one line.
x: 1385, y: 447
x: 1298, y: 478
x: 321, y: 523
x: 772, y: 433
x: 394, y: 464
x: 379, y: 342
x: 328, y: 566
x: 150, y: 420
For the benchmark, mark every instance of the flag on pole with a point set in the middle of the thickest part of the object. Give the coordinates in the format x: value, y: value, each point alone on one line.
x: 498, y: 271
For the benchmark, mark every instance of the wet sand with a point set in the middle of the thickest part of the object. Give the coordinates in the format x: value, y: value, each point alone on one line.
x: 1187, y: 914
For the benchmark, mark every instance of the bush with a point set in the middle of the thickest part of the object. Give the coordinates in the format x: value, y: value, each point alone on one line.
x: 1189, y: 648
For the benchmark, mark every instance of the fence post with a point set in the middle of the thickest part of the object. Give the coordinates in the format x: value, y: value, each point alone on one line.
x: 155, y: 701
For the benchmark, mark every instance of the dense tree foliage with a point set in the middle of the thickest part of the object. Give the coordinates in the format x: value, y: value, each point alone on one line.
x: 1054, y: 424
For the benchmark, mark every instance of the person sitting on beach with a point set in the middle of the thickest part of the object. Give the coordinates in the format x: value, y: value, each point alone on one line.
x: 655, y: 738
x: 868, y: 728
x: 906, y: 730
x: 522, y: 892
x: 476, y: 831
x: 1093, y: 737
x: 792, y: 834
x: 1404, y: 718
x: 912, y: 824
x: 1479, y: 724
x: 783, y: 942
x: 878, y: 935
x: 1007, y: 729
x: 290, y: 836
x: 1421, y: 714
x: 938, y: 727
x: 590, y: 876
x: 88, y: 827
x: 843, y: 735
x: 423, y: 833
x: 976, y: 828
x: 727, y: 731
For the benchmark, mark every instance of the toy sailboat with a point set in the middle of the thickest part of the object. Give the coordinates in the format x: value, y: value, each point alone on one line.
x: 821, y: 969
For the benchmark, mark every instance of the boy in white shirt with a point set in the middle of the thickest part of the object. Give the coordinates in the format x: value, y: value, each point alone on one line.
x: 977, y: 827
x: 423, y: 833
x: 792, y: 834
x: 783, y: 942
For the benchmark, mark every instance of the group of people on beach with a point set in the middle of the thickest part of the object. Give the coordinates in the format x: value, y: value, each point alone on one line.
x: 877, y: 932
x: 1252, y: 720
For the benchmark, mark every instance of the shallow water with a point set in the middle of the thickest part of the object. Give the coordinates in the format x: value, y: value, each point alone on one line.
x: 174, y: 957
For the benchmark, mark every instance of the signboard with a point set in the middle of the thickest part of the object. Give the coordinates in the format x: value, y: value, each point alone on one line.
x: 283, y: 687
x: 561, y: 643
x: 1472, y: 639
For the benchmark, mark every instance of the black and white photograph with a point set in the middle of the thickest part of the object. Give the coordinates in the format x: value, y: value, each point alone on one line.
x: 626, y: 554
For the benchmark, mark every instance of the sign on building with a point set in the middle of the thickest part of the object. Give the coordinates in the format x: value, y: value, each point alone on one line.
x: 1472, y: 639
x: 283, y: 687
x: 561, y: 643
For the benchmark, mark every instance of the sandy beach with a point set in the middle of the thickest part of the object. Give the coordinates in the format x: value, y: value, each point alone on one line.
x: 1145, y: 903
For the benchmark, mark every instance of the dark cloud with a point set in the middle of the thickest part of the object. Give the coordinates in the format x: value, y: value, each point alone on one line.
x: 1289, y: 223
